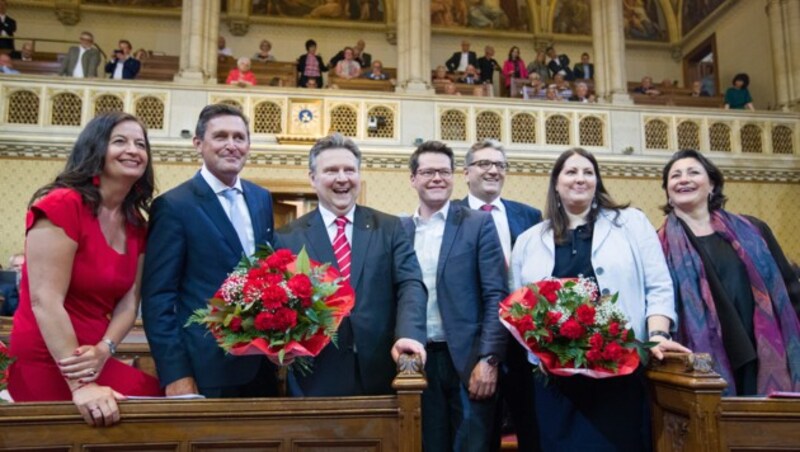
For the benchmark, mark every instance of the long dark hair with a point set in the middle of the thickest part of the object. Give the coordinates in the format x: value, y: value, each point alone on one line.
x: 716, y: 199
x: 87, y: 160
x: 554, y: 210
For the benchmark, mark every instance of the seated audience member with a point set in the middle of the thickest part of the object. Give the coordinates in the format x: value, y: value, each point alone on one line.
x: 697, y: 89
x: 348, y: 68
x: 539, y: 65
x: 563, y: 87
x: 487, y: 65
x: 582, y: 94
x: 241, y: 75
x: 123, y: 66
x: 141, y: 54
x: 263, y: 54
x: 6, y: 66
x: 440, y: 75
x: 222, y: 50
x: 514, y: 67
x: 451, y: 89
x: 460, y: 60
x: 551, y: 93
x: 10, y: 293
x: 536, y: 89
x: 647, y: 87
x: 82, y: 60
x: 364, y: 59
x: 470, y: 76
x: 24, y: 54
x: 377, y: 72
x: 584, y: 69
x: 310, y: 66
x: 738, y: 97
x: 558, y: 64
x: 668, y: 84
x: 311, y: 83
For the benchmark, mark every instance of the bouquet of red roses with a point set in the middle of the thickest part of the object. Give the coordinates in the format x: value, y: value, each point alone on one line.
x: 571, y: 328
x: 5, y: 362
x: 284, y: 306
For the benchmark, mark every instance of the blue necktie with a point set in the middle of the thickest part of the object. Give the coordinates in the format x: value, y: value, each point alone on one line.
x: 237, y: 219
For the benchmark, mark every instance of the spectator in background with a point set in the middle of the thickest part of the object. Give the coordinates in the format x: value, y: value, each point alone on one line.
x: 222, y: 50
x: 241, y: 76
x: 551, y: 93
x: 363, y: 59
x: 562, y: 86
x: 697, y: 89
x: 310, y: 66
x: 263, y: 54
x: 348, y: 67
x: 450, y: 88
x: 667, y: 85
x: 82, y: 61
x: 460, y: 60
x: 582, y: 94
x: 8, y: 27
x: 440, y: 75
x: 647, y: 87
x: 487, y: 65
x: 536, y: 90
x: 10, y: 293
x: 377, y: 71
x: 123, y: 66
x: 539, y: 65
x: 470, y: 76
x: 25, y: 54
x: 558, y: 64
x: 514, y: 67
x: 738, y: 97
x: 584, y: 69
x: 141, y: 54
x: 6, y: 67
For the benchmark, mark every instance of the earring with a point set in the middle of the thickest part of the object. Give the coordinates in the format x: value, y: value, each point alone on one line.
x: 558, y: 200
x: 96, y: 181
x: 669, y: 201
x: 594, y: 203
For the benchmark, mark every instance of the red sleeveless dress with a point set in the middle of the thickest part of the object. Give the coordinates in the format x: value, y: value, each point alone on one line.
x: 100, y: 277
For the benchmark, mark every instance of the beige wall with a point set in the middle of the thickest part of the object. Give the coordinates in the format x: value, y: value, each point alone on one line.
x: 389, y: 190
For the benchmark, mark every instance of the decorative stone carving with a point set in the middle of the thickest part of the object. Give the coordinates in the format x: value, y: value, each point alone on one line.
x: 68, y: 14
x: 239, y: 27
x: 677, y: 429
x: 391, y: 36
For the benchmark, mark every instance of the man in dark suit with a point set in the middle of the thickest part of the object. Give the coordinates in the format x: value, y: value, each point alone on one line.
x: 10, y: 292
x: 374, y: 253
x: 464, y: 270
x: 487, y: 65
x: 199, y: 231
x: 123, y: 66
x: 8, y: 27
x: 460, y: 60
x: 81, y: 61
x: 584, y: 69
x: 485, y: 171
x: 558, y: 64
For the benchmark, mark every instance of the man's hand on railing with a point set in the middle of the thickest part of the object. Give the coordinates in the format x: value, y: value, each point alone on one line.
x: 405, y: 345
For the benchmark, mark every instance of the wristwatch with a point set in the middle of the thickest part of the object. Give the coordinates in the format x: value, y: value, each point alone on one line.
x: 663, y: 334
x: 112, y: 347
x: 491, y: 360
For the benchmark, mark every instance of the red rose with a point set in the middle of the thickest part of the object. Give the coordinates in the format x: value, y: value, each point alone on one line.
x: 548, y: 290
x: 613, y: 328
x: 552, y: 318
x: 279, y: 260
x: 263, y: 321
x: 549, y: 338
x: 284, y: 318
x: 596, y: 341
x: 301, y: 287
x: 235, y: 324
x: 273, y: 297
x: 594, y: 355
x: 613, y: 352
x: 585, y: 314
x: 571, y: 329
x: 525, y: 324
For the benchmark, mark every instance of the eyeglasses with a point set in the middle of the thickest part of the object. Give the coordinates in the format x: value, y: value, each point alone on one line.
x: 486, y: 165
x: 431, y: 173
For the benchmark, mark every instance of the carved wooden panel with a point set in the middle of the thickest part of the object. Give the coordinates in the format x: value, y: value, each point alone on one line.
x: 237, y: 446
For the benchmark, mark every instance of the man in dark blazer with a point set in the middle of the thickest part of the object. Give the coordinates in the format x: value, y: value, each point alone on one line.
x: 81, y: 61
x: 8, y: 27
x: 389, y: 313
x: 485, y: 171
x: 123, y: 60
x: 584, y: 69
x: 460, y: 60
x: 464, y: 270
x: 558, y: 64
x: 199, y: 231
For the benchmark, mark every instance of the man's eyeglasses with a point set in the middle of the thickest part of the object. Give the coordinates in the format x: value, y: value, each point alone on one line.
x: 431, y: 173
x: 485, y: 165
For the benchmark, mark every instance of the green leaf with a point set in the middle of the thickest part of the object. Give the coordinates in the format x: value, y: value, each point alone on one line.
x: 303, y: 262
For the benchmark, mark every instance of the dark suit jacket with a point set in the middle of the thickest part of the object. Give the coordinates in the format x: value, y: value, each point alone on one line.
x: 10, y: 295
x: 390, y: 300
x: 455, y: 60
x: 578, y: 71
x: 561, y: 63
x: 191, y: 248
x: 487, y: 66
x: 90, y: 61
x: 521, y: 217
x: 471, y: 281
x: 130, y: 68
x: 8, y: 25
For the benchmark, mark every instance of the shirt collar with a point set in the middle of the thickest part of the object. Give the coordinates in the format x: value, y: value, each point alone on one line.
x: 328, y: 217
x: 217, y: 185
x: 475, y: 203
x: 441, y: 213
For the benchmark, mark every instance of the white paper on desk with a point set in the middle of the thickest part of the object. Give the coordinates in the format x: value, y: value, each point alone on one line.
x: 177, y: 397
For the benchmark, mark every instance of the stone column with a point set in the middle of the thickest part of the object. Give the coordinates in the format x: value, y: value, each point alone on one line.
x: 614, y: 36
x: 414, y: 46
x: 784, y: 21
x: 600, y: 49
x: 199, y: 32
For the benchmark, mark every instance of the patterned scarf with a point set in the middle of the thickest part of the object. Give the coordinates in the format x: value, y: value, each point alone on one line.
x: 777, y: 329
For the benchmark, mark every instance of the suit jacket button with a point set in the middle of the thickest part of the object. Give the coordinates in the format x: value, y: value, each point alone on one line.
x: 606, y: 292
x: 599, y: 270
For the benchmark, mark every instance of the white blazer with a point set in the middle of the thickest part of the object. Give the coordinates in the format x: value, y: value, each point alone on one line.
x: 626, y: 257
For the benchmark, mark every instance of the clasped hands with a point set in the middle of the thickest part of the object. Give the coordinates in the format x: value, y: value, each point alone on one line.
x: 97, y: 404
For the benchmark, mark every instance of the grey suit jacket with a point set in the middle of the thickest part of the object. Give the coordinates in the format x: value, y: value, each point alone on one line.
x: 90, y: 61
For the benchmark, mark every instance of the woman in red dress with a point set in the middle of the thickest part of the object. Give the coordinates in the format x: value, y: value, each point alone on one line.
x: 79, y: 294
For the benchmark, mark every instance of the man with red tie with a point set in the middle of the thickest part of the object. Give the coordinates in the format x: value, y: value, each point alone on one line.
x: 372, y: 250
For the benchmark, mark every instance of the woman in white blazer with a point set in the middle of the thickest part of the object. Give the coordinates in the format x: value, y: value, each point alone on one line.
x: 587, y: 233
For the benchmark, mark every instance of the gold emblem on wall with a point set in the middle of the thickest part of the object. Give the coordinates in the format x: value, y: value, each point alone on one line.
x: 305, y: 121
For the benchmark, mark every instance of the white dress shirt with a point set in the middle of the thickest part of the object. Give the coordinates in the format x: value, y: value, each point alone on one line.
x: 329, y: 220
x: 428, y: 245
x: 499, y: 215
x: 78, y: 71
x: 118, y: 70
x: 219, y: 188
x: 462, y: 65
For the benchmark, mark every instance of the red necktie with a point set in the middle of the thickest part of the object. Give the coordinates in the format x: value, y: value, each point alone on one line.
x: 341, y: 248
x: 487, y: 207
